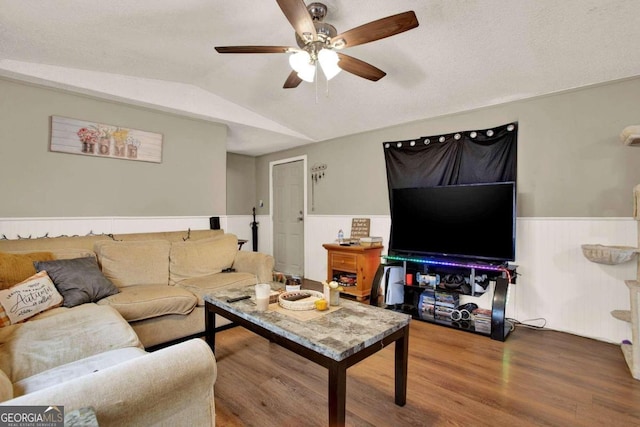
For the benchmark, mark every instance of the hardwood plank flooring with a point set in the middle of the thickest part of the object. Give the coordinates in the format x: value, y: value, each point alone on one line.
x: 536, y: 377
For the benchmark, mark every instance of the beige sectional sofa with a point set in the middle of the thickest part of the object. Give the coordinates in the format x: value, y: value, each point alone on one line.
x: 147, y: 292
x: 161, y: 276
x: 89, y: 357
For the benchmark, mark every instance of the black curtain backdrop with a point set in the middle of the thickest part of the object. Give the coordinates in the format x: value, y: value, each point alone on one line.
x: 467, y: 157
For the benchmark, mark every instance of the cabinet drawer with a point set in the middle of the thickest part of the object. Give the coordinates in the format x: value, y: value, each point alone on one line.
x: 343, y: 261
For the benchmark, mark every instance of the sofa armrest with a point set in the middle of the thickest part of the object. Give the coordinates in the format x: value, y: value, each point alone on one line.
x: 256, y: 263
x: 172, y: 386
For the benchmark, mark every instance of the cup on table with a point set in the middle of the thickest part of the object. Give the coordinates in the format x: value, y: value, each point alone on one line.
x: 263, y: 291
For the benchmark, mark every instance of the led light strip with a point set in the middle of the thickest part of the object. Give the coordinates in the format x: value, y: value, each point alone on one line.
x: 447, y: 263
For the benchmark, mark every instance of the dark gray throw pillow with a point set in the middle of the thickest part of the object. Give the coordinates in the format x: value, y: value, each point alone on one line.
x: 79, y: 280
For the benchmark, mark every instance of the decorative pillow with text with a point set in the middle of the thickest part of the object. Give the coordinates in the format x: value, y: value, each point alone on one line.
x: 28, y: 298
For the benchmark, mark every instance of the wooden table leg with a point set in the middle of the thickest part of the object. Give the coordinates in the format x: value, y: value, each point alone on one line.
x: 210, y: 327
x: 402, y: 356
x: 337, y: 394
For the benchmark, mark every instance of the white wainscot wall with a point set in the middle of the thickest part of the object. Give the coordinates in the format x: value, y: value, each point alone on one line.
x: 559, y: 284
x: 14, y: 228
x: 555, y: 282
x: 241, y: 226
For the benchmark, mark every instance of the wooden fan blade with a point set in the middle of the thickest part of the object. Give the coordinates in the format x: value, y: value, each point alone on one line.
x: 292, y: 81
x: 360, y: 68
x: 376, y: 30
x: 299, y: 18
x: 252, y: 49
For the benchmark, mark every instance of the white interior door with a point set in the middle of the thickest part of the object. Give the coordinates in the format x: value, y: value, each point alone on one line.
x: 288, y: 217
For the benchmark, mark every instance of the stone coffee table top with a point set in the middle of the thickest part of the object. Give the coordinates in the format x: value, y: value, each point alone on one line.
x: 337, y: 334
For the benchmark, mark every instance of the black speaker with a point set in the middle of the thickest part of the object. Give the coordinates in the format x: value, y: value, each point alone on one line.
x: 214, y: 223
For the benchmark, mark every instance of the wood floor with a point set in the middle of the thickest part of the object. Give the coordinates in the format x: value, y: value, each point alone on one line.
x: 536, y: 377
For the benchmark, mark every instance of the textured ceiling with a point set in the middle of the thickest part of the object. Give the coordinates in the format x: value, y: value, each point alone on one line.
x: 465, y: 54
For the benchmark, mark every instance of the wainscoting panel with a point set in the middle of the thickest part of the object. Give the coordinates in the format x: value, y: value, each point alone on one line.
x: 13, y: 228
x: 559, y: 284
x: 324, y: 229
x: 240, y: 225
x: 555, y: 282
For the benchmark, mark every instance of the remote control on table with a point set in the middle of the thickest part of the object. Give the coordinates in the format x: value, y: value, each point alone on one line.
x: 297, y: 297
x: 238, y: 298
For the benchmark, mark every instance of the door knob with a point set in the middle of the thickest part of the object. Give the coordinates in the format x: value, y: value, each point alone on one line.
x: 301, y: 217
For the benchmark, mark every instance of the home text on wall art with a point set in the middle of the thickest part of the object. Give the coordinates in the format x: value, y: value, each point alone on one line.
x: 100, y: 140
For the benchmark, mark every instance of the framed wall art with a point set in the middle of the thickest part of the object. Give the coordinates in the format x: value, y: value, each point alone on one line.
x: 101, y: 140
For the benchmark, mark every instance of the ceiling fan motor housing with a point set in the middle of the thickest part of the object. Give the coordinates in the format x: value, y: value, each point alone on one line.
x: 317, y: 11
x: 325, y: 33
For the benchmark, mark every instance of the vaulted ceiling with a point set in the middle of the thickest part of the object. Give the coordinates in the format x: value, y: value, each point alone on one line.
x: 465, y: 54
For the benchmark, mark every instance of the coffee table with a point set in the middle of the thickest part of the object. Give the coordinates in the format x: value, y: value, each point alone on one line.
x: 336, y: 340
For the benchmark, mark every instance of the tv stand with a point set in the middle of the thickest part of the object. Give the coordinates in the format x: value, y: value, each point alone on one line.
x: 440, y: 302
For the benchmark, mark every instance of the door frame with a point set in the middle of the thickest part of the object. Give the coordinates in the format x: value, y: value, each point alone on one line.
x: 304, y: 223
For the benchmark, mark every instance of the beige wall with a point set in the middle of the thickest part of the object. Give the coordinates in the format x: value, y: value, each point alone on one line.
x: 34, y: 182
x: 241, y: 184
x: 571, y: 162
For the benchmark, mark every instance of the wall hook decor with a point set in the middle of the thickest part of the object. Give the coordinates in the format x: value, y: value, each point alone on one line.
x: 317, y: 173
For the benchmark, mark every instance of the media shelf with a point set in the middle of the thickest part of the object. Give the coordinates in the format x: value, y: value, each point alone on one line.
x: 441, y: 301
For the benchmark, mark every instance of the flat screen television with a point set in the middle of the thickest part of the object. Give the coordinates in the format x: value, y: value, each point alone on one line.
x: 475, y: 221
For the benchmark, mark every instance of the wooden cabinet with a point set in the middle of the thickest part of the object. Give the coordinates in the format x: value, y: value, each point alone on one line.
x: 359, y: 260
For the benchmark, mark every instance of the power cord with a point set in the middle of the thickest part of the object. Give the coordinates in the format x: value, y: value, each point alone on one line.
x: 527, y: 324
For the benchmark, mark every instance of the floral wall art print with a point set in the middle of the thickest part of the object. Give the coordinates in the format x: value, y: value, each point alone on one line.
x: 100, y: 140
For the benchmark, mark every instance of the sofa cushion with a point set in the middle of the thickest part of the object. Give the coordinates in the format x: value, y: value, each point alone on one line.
x: 76, y: 369
x: 71, y: 253
x: 32, y: 347
x: 79, y: 280
x: 197, y: 258
x: 51, y: 312
x: 200, y: 286
x: 144, y: 262
x: 63, y: 253
x: 147, y: 301
x: 6, y: 388
x: 15, y: 268
x: 24, y: 300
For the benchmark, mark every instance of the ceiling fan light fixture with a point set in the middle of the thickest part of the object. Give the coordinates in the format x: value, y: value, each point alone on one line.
x: 300, y: 60
x: 308, y: 73
x: 329, y: 62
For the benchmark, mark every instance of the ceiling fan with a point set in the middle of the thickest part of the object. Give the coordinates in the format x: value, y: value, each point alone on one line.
x: 319, y: 42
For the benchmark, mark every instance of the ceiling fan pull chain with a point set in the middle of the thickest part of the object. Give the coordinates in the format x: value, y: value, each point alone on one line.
x: 316, y: 81
x: 326, y: 94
